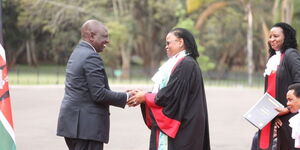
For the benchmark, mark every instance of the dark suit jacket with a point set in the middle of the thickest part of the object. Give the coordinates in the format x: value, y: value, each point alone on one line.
x: 84, y: 112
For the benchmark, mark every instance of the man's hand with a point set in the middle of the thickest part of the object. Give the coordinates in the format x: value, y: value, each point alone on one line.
x: 137, y: 98
x: 131, y: 93
x: 282, y: 111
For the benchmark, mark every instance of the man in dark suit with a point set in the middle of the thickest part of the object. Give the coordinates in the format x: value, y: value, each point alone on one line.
x: 84, y: 113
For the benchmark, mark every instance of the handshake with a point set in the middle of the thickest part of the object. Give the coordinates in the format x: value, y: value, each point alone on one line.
x: 136, y: 97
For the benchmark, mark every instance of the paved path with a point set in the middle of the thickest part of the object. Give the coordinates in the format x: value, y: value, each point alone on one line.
x: 35, y: 111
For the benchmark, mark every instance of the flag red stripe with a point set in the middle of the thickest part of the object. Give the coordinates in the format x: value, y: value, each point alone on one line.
x: 5, y: 109
x: 5, y: 105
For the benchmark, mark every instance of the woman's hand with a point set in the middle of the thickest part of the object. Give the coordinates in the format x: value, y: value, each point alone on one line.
x: 138, y: 98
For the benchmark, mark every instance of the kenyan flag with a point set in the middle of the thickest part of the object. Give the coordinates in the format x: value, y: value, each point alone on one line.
x: 7, y: 134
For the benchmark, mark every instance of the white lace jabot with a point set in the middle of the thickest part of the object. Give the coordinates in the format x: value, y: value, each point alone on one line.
x: 273, y: 63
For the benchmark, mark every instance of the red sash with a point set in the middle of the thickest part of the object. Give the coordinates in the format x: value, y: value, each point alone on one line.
x: 265, y: 134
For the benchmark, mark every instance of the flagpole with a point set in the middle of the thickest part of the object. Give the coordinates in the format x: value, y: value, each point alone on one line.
x: 1, y: 33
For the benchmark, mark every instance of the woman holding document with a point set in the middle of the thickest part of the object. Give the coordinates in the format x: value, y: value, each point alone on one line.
x: 282, y: 70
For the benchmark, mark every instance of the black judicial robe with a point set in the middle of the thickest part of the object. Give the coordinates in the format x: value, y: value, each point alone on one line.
x: 288, y: 72
x: 179, y: 110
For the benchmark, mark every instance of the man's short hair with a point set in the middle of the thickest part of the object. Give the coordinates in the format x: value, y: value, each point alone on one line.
x: 296, y: 88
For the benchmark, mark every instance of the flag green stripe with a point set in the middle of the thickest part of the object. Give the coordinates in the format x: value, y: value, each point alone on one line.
x: 6, y: 142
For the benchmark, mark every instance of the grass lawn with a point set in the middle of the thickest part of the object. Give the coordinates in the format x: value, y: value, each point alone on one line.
x: 51, y: 74
x: 54, y: 74
x: 46, y: 74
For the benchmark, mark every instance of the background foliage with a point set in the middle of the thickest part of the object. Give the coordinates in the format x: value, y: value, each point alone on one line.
x: 39, y: 32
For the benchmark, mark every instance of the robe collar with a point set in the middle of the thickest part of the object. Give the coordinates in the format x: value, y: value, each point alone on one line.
x: 273, y: 63
x: 161, y: 77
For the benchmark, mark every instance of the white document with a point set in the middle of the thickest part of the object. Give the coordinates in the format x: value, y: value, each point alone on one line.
x: 263, y: 111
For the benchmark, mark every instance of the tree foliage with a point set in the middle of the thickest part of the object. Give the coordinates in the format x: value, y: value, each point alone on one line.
x: 188, y: 23
x: 223, y: 30
x: 46, y: 31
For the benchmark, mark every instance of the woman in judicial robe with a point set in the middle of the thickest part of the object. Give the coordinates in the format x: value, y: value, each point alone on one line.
x: 282, y: 70
x: 176, y: 110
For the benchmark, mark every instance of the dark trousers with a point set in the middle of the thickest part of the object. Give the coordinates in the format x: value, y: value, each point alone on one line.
x: 255, y: 142
x: 79, y: 144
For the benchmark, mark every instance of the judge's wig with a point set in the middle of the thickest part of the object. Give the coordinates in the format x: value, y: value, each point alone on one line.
x: 289, y: 38
x: 189, y: 41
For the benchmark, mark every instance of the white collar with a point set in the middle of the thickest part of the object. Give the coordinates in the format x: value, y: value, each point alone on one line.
x: 161, y: 77
x: 273, y: 63
x: 90, y: 45
x: 295, y: 125
x: 180, y: 54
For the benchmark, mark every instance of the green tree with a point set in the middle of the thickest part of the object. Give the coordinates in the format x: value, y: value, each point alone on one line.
x: 49, y: 36
x: 47, y: 30
x: 152, y: 20
x: 296, y: 20
x: 13, y: 36
x: 121, y: 34
x: 231, y: 30
x: 188, y: 23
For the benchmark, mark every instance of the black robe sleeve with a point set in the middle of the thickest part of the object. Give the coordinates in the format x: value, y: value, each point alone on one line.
x: 293, y: 65
x: 169, y: 105
x: 174, y: 96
